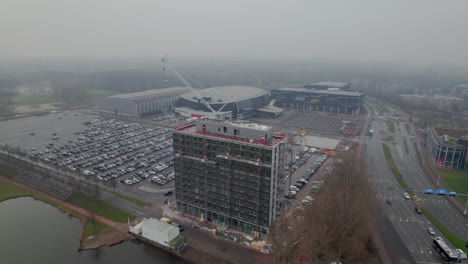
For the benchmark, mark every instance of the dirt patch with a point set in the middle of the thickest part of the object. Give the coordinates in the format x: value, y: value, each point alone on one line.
x: 107, y: 237
x: 33, y: 108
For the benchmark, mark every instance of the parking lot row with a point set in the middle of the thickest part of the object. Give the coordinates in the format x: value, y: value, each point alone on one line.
x: 108, y: 149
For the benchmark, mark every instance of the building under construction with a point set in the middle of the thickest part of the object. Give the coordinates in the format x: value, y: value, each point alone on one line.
x: 228, y: 173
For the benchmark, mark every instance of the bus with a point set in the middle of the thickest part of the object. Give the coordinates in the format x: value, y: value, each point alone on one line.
x: 450, y: 255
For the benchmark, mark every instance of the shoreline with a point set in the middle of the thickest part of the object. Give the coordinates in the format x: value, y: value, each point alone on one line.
x: 114, y: 236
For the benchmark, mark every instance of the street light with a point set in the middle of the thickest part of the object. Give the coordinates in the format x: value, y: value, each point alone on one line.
x: 466, y: 207
x: 438, y: 178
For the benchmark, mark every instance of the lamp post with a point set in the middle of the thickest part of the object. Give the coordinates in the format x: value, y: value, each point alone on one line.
x: 466, y: 207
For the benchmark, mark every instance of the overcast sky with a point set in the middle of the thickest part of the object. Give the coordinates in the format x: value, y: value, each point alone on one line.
x: 427, y: 31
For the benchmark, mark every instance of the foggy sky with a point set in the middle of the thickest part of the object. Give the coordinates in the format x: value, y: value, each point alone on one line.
x: 426, y: 31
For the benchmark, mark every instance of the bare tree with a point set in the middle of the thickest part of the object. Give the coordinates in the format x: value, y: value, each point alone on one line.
x: 334, y: 227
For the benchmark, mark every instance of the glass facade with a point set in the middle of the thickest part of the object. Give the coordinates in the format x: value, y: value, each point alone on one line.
x: 446, y: 156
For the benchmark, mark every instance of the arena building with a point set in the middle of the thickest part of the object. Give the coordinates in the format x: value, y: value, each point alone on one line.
x: 230, y: 102
x: 331, y: 100
x: 141, y: 103
x: 332, y: 86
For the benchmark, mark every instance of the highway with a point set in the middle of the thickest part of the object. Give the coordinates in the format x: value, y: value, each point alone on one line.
x: 411, y: 226
x: 409, y: 166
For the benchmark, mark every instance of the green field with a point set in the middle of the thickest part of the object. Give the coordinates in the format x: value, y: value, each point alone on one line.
x: 99, y: 207
x: 91, y: 96
x: 34, y: 100
x: 391, y: 126
x: 128, y: 198
x: 7, y: 170
x: 10, y: 191
x: 457, y: 181
x: 92, y: 229
x: 393, y: 167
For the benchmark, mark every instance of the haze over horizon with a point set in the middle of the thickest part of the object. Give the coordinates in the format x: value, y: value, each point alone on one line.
x: 415, y: 32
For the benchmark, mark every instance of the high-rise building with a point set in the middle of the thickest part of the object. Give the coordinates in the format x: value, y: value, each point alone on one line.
x: 228, y: 173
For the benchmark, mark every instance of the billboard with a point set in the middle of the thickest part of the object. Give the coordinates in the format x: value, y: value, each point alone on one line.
x: 440, y: 162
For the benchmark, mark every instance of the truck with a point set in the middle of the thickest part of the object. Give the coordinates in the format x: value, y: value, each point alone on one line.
x: 371, y: 132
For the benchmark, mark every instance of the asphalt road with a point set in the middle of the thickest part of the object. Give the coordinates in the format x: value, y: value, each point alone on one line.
x: 402, y: 145
x: 411, y: 227
x: 409, y: 166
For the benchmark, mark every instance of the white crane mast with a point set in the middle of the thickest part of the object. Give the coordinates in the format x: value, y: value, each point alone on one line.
x: 182, y: 79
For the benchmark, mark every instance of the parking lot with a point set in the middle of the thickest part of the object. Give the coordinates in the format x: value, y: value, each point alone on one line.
x: 314, y: 123
x: 133, y: 158
x: 301, y: 182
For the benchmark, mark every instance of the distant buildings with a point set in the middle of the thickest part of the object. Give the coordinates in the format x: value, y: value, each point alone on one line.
x: 448, y: 147
x: 329, y: 86
x: 141, y: 103
x: 438, y: 102
x: 333, y: 97
x: 459, y: 89
x: 228, y: 173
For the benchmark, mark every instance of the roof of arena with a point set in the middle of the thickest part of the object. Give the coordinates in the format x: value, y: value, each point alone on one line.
x: 155, y: 93
x: 227, y: 94
x: 345, y: 93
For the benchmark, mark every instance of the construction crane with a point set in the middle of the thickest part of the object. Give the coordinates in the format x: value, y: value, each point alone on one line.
x: 179, y: 75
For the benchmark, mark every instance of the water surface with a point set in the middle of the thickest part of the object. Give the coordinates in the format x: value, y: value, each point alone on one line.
x: 35, y: 232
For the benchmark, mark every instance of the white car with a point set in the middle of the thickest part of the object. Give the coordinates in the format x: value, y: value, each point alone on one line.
x: 293, y: 188
x: 407, y: 196
x: 431, y: 231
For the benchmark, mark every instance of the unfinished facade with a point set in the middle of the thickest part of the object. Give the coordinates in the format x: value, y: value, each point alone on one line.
x: 228, y: 173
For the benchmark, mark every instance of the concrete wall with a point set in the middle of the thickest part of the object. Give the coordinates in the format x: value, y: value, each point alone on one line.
x: 232, y: 130
x: 111, y: 104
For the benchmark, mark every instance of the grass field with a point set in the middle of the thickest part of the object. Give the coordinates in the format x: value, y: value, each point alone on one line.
x: 34, y: 100
x: 92, y: 229
x: 128, y: 198
x: 457, y: 181
x: 391, y: 126
x: 458, y: 242
x: 10, y: 191
x: 91, y: 95
x: 393, y: 167
x: 7, y: 170
x: 99, y: 207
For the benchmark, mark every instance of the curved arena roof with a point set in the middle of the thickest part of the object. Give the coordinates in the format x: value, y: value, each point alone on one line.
x: 226, y: 94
